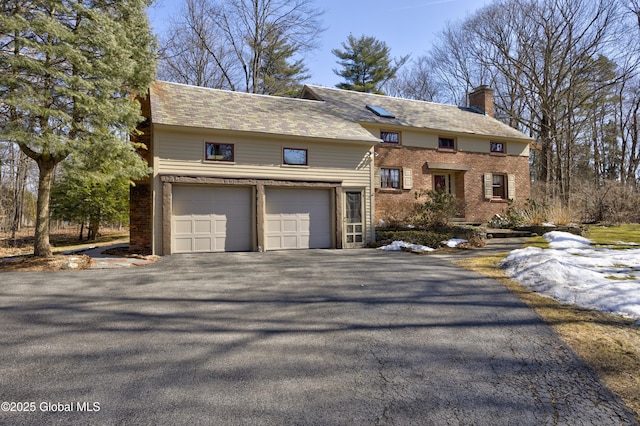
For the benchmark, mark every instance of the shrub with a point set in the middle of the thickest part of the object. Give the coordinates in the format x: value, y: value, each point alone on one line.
x: 431, y: 237
x: 398, y: 214
x: 532, y: 213
x: 560, y: 215
x: 437, y: 209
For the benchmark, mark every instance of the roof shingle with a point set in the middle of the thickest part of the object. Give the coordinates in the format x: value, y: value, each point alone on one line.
x: 326, y: 113
x: 191, y: 106
x: 412, y: 113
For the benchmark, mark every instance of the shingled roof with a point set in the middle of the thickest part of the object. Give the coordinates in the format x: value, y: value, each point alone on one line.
x: 411, y: 113
x: 325, y: 113
x: 198, y: 107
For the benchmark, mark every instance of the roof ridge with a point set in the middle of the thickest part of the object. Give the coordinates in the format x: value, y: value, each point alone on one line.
x: 232, y: 92
x: 356, y: 93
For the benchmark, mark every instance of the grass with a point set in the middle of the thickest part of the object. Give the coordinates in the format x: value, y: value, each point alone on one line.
x: 609, y: 344
x: 538, y: 242
x: 612, y: 236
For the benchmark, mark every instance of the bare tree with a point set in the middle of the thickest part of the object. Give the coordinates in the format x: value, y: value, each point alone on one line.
x: 231, y: 44
x: 542, y: 56
x: 416, y: 82
x: 184, y: 53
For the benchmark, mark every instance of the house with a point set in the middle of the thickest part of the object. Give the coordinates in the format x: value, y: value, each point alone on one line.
x: 234, y: 171
x: 243, y: 172
x: 463, y: 150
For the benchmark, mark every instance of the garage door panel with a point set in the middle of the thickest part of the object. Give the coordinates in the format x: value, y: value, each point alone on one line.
x: 202, y: 244
x: 183, y: 226
x: 182, y: 245
x: 202, y: 226
x: 291, y: 225
x: 209, y: 219
x: 298, y: 219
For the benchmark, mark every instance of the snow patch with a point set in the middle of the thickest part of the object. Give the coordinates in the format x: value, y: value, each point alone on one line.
x: 399, y: 245
x: 454, y: 242
x: 574, y: 273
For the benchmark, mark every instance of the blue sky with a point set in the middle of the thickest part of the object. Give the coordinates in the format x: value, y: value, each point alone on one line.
x: 407, y: 26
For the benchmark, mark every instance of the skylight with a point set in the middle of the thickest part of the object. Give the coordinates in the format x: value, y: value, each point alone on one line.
x: 379, y: 111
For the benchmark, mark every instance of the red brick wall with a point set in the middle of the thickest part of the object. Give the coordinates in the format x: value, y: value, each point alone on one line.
x: 140, y: 219
x: 469, y: 184
x: 140, y: 196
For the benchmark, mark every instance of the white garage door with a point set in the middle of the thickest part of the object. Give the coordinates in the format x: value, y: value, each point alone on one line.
x: 298, y: 218
x: 208, y: 219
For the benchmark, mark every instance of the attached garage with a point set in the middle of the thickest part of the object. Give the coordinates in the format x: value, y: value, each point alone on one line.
x: 298, y: 218
x: 211, y: 219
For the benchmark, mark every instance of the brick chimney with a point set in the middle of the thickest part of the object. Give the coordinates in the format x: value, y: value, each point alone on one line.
x: 482, y: 98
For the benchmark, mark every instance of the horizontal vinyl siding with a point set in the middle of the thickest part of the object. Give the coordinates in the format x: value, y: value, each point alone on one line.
x: 184, y: 155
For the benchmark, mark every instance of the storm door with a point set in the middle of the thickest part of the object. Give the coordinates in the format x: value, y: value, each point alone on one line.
x: 354, y: 226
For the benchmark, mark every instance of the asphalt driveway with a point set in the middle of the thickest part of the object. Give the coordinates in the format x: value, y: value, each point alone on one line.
x: 308, y: 337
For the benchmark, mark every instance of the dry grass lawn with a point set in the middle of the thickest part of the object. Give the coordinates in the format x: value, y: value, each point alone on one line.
x: 608, y: 343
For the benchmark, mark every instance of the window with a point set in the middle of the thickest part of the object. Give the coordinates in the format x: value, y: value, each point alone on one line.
x: 390, y: 137
x: 294, y: 157
x: 497, y: 147
x: 390, y: 178
x: 499, y: 187
x: 218, y: 152
x: 446, y: 143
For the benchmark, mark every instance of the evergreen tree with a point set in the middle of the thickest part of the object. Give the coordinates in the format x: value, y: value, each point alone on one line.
x: 68, y: 73
x: 280, y: 75
x: 366, y: 64
x: 94, y: 187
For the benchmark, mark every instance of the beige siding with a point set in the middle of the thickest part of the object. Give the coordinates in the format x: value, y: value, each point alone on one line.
x: 184, y: 153
x: 428, y: 139
x: 178, y: 153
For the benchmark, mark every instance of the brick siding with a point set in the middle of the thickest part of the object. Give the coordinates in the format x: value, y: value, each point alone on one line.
x: 140, y: 196
x: 469, y: 185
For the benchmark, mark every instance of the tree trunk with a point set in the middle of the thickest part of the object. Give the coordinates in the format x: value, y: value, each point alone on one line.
x: 41, y: 244
x: 94, y: 225
x: 18, y: 194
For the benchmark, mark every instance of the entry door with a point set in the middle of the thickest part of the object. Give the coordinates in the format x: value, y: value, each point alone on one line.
x: 354, y: 226
x: 443, y: 182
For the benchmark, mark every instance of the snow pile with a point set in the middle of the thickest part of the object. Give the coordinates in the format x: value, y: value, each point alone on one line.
x: 572, y: 272
x: 565, y: 240
x: 399, y: 245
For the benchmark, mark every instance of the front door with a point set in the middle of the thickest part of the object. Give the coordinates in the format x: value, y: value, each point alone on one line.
x: 443, y: 182
x: 354, y: 227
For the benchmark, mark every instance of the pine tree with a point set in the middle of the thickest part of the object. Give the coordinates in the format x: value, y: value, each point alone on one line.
x: 68, y: 73
x: 94, y: 186
x: 280, y: 75
x: 366, y: 64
